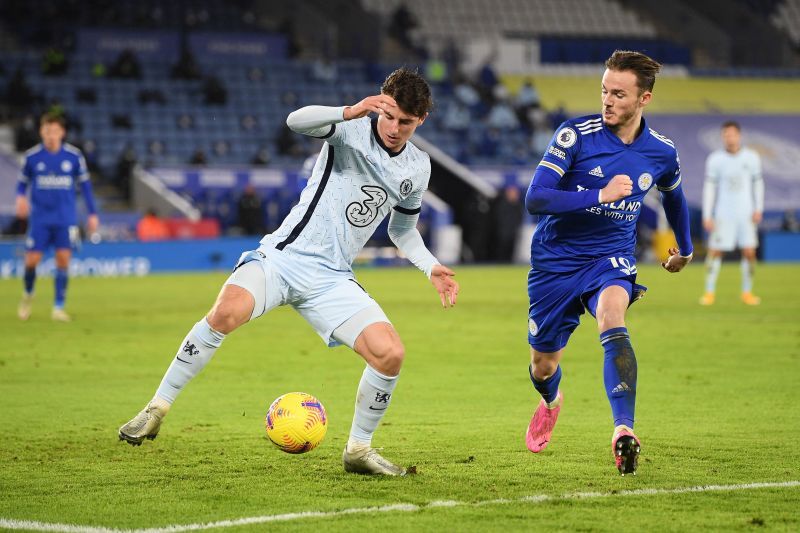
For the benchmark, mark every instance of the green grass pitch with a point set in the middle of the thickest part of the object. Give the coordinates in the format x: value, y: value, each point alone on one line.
x: 719, y: 390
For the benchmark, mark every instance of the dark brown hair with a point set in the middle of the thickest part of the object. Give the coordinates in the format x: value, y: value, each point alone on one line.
x: 53, y: 118
x: 731, y: 124
x: 410, y: 90
x: 643, y: 66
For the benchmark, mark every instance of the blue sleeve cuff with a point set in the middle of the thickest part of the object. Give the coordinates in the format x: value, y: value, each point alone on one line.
x: 21, y: 188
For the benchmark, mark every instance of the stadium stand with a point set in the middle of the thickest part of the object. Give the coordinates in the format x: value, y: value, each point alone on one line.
x: 243, y: 68
x: 786, y: 17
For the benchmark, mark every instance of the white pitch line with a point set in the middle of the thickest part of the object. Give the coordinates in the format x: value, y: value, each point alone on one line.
x: 9, y: 523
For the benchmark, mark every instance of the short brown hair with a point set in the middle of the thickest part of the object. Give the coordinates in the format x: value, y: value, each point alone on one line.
x: 53, y: 118
x: 410, y: 90
x: 643, y: 66
x: 731, y: 124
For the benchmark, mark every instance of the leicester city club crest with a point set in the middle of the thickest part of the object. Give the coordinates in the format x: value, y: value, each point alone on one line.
x: 645, y: 181
x: 405, y: 187
x: 66, y: 166
x: 532, y: 327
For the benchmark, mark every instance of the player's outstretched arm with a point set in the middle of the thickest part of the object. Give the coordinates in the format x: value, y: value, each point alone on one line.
x: 404, y: 234
x: 677, y: 213
x: 446, y: 286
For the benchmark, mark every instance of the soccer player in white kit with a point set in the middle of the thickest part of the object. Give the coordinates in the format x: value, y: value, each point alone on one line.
x: 733, y: 205
x: 366, y: 170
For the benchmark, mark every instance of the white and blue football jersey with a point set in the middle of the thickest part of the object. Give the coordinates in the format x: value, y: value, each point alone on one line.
x: 355, y: 183
x: 585, y: 155
x: 738, y: 184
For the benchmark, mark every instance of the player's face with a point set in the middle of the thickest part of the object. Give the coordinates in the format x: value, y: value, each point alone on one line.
x: 52, y: 134
x: 396, y: 127
x: 622, y: 101
x: 732, y: 139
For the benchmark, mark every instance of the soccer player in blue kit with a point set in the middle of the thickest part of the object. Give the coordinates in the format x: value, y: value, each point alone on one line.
x: 52, y: 169
x: 588, y: 190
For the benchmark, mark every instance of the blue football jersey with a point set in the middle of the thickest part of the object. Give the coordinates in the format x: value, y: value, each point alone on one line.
x: 586, y: 155
x: 52, y: 178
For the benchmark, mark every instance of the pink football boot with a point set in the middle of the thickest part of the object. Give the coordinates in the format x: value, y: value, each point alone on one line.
x: 626, y: 447
x: 542, y: 424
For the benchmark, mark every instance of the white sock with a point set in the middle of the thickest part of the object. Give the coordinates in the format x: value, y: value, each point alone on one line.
x: 712, y: 271
x: 372, y: 400
x: 747, y: 275
x: 194, y: 353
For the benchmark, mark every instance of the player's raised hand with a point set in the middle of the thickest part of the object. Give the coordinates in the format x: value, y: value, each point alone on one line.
x: 618, y: 188
x: 370, y: 104
x: 676, y: 261
x: 21, y: 207
x: 446, y: 286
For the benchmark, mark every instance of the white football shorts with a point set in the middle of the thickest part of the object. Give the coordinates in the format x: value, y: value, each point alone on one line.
x: 733, y: 232
x: 332, y: 302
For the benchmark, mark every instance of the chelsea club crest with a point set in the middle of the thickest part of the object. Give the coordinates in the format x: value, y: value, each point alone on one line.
x: 405, y: 187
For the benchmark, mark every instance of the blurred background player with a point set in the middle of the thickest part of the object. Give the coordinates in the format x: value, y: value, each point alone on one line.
x: 733, y: 205
x: 52, y: 168
x: 366, y: 170
x: 590, y: 185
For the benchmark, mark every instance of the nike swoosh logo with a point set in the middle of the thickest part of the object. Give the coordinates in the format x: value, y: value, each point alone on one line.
x: 378, y: 409
x: 182, y: 361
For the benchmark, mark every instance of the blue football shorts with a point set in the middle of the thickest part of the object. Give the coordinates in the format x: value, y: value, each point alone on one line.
x: 41, y: 237
x: 558, y: 299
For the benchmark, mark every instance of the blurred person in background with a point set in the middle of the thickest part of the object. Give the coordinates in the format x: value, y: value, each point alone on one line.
x: 52, y: 169
x: 508, y: 210
x: 733, y: 206
x: 250, y: 211
x: 151, y: 227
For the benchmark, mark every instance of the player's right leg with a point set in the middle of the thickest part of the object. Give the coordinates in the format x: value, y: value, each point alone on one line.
x: 545, y: 374
x: 36, y: 242
x: 32, y: 259
x: 242, y: 298
x: 713, y: 265
x: 555, y: 308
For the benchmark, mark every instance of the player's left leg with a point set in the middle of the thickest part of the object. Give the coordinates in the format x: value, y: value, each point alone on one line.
x: 370, y: 334
x: 619, y: 371
x: 60, y: 280
x: 748, y: 267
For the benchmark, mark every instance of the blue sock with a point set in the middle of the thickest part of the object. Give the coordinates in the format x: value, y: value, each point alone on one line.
x: 619, y: 374
x: 549, y: 387
x: 61, y: 287
x: 30, y: 279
